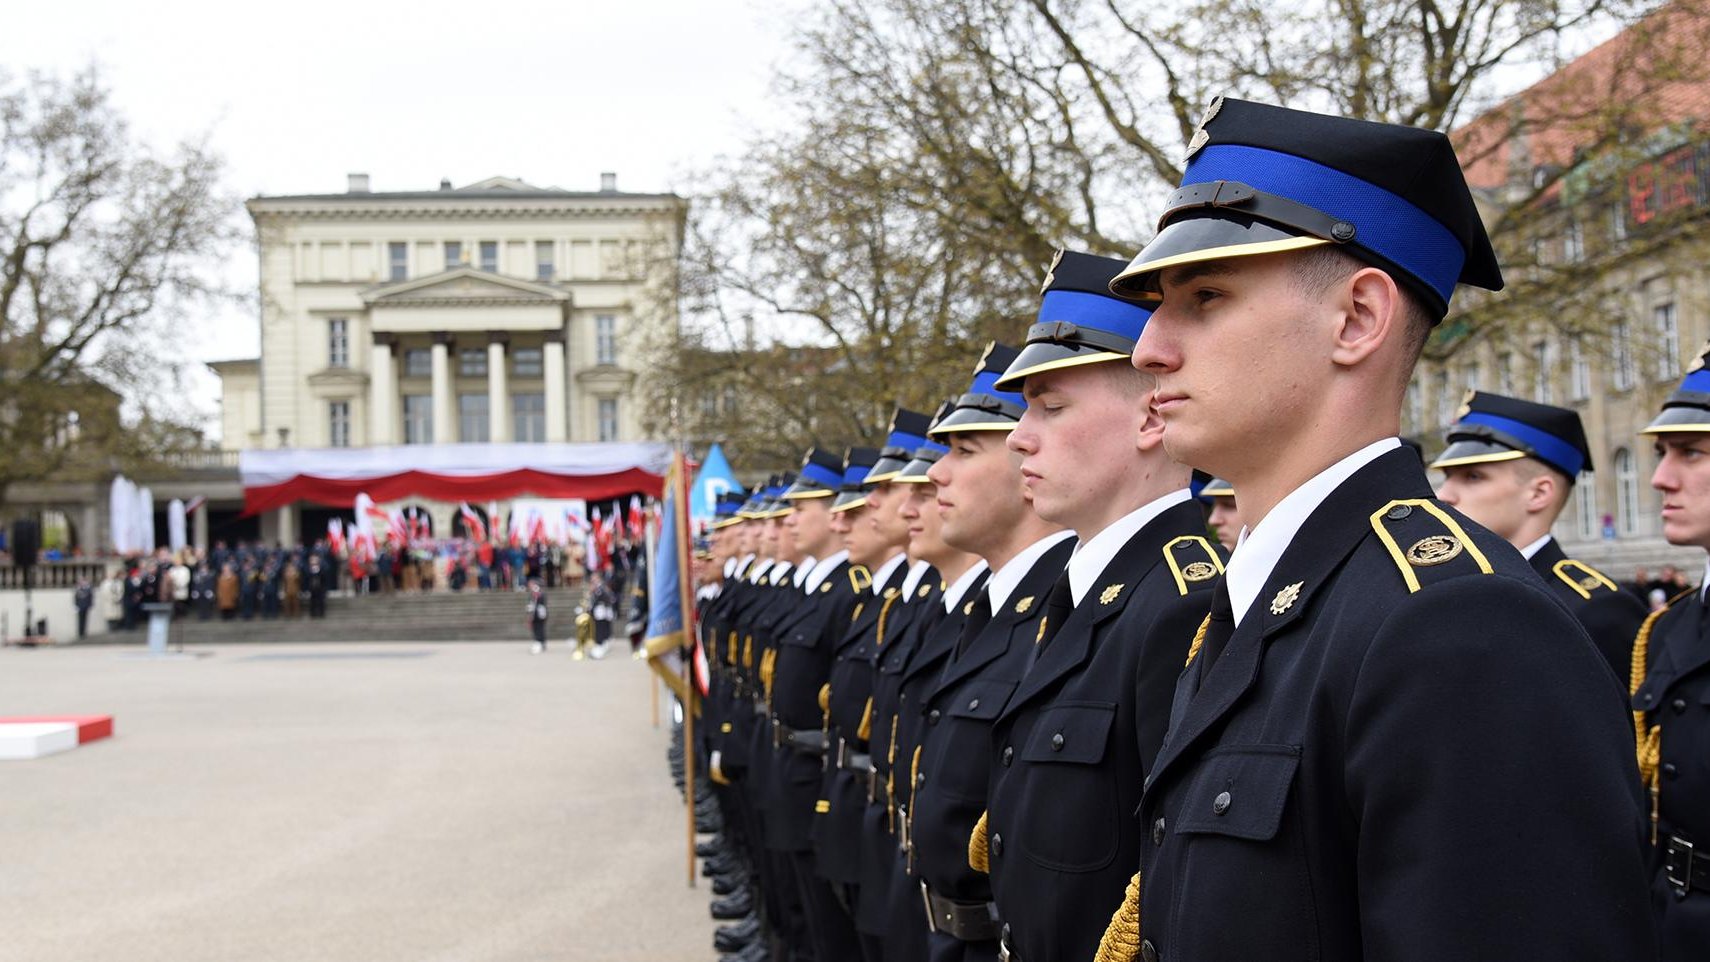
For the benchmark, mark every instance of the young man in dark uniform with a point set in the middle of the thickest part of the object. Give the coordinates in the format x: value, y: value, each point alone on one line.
x: 1391, y: 741
x: 986, y: 511
x: 1075, y: 740
x: 1510, y: 466
x: 1670, y: 679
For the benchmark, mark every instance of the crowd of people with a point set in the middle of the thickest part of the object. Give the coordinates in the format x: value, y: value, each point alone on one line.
x: 997, y: 691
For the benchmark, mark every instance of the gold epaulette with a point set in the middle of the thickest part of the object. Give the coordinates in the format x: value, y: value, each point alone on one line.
x: 1192, y: 560
x: 1121, y: 939
x: 1438, y: 547
x: 860, y: 579
x: 979, y: 858
x: 1587, y: 580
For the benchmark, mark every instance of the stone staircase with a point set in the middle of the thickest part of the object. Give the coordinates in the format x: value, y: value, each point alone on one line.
x: 432, y: 616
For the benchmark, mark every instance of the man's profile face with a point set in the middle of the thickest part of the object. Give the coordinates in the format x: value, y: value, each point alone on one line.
x: 1683, y: 478
x: 1078, y: 437
x: 1492, y: 494
x: 1237, y: 350
x: 1225, y: 521
x: 979, y: 490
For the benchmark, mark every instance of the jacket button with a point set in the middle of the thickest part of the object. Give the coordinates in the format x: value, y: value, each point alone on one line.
x: 1148, y: 951
x: 997, y: 844
x: 1158, y: 832
x: 973, y: 704
x: 1646, y: 698
x: 1398, y: 512
x: 1008, y: 755
x: 1220, y: 804
x: 932, y: 717
x: 1679, y: 705
x: 1670, y: 770
x: 1057, y: 742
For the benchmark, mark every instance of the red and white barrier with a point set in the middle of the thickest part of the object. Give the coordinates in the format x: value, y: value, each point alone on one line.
x: 33, y: 737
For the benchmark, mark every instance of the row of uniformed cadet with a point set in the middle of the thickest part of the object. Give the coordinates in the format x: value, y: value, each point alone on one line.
x: 953, y: 720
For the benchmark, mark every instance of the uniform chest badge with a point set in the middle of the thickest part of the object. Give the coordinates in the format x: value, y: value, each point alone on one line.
x: 890, y: 593
x: 825, y: 587
x: 968, y: 609
x: 1434, y: 550
x: 924, y: 591
x: 1024, y: 604
x: 1199, y: 571
x: 1109, y: 594
x: 1285, y: 598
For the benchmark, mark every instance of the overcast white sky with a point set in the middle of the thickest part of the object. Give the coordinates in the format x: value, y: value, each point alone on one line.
x: 299, y: 94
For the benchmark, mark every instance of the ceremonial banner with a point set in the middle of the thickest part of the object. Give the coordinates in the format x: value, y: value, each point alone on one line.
x: 666, y: 633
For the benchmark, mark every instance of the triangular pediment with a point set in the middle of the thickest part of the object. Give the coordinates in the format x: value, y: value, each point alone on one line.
x: 463, y: 284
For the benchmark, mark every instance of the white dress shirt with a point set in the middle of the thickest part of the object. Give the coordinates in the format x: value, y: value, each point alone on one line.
x: 1257, y: 553
x: 1093, y: 555
x: 953, y: 594
x: 822, y: 571
x: 1535, y: 547
x: 884, y: 572
x: 1007, y: 577
x: 911, y: 581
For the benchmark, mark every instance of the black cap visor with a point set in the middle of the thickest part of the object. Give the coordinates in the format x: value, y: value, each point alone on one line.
x: 1042, y: 356
x: 1194, y: 238
x: 1681, y: 419
x: 1475, y: 451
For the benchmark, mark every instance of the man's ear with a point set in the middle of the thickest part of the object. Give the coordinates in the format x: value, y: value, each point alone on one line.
x: 1371, y: 314
x: 1541, y: 492
x: 1150, y: 435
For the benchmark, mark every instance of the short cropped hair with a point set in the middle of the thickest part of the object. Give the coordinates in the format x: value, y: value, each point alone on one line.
x: 1318, y: 267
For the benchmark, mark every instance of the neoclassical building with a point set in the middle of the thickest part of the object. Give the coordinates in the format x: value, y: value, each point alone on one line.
x: 493, y: 312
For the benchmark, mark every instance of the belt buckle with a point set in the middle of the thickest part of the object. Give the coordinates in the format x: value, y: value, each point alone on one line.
x: 1678, y: 847
x: 926, y: 899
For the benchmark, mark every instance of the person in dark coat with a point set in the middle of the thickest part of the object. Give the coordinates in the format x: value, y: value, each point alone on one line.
x: 227, y: 590
x: 1511, y: 466
x: 250, y: 600
x: 1391, y: 741
x: 985, y: 512
x: 537, y: 615
x: 1076, y: 738
x: 84, y: 599
x: 1670, y: 681
x: 317, y: 588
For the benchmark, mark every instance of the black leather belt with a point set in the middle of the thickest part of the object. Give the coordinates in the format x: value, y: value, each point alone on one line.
x: 1006, y: 953
x: 1684, y: 867
x: 806, y: 741
x: 852, y: 761
x: 968, y: 921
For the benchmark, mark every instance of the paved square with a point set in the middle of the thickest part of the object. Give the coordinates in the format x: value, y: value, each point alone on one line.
x: 431, y: 803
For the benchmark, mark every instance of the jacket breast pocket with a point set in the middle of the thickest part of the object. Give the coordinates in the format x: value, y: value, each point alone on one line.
x: 1071, y: 734
x: 1239, y: 792
x: 981, y: 701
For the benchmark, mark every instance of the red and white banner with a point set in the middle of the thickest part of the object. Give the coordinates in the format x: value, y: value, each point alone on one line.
x: 473, y: 528
x: 449, y: 472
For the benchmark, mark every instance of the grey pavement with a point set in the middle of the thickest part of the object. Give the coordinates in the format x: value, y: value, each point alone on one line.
x: 432, y: 802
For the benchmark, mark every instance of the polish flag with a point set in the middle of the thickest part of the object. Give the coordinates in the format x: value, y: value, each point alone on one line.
x: 473, y: 526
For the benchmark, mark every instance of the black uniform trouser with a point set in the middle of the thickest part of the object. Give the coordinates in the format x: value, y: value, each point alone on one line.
x: 831, y: 930
x: 82, y: 622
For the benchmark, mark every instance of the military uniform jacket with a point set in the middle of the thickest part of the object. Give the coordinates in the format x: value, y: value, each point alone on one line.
x: 881, y: 861
x: 1611, y: 616
x: 803, y: 640
x: 1374, y: 772
x: 1077, y: 737
x: 843, y: 790
x: 1675, y: 695
x: 955, y: 763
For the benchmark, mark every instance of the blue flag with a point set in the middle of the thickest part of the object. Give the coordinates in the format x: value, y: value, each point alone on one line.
x: 714, y: 479
x: 665, y: 635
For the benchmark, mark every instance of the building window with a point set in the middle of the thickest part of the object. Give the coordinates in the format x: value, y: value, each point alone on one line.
x: 472, y: 362
x: 608, y: 419
x: 1542, y: 362
x: 529, y: 417
x: 398, y: 260
x: 1579, y: 366
x: 1668, y: 342
x: 338, y: 342
x: 1621, y: 356
x: 543, y: 260
x: 526, y: 362
x: 1505, y: 373
x: 1626, y: 492
x: 1585, y: 510
x: 605, y: 339
x: 338, y: 424
x: 418, y: 418
x: 472, y: 420
x: 453, y: 254
x: 1573, y: 243
x: 418, y: 362
x: 490, y: 256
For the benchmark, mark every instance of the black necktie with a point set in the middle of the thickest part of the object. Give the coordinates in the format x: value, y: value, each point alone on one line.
x: 1058, y: 606
x: 977, y: 619
x: 1219, y: 628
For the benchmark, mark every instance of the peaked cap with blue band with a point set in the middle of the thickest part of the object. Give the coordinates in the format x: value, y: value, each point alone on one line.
x: 727, y: 509
x: 1263, y: 179
x: 983, y: 407
x: 857, y: 464
x: 1687, y: 410
x: 1491, y: 427
x: 775, y: 505
x: 820, y: 477
x: 906, y: 433
x: 756, y: 506
x: 1217, y: 488
x: 1080, y: 321
x: 925, y: 456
